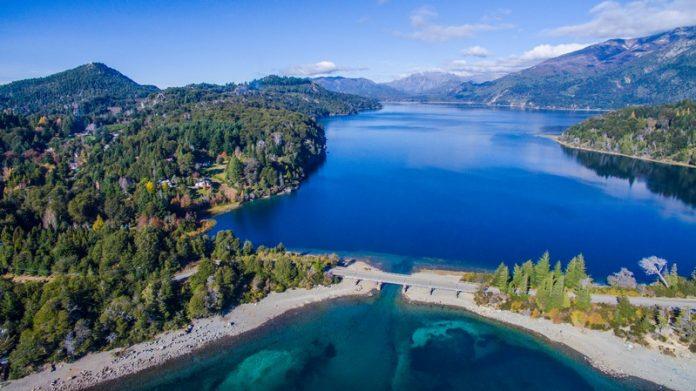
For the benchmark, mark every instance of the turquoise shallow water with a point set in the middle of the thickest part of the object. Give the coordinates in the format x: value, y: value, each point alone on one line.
x: 380, y: 344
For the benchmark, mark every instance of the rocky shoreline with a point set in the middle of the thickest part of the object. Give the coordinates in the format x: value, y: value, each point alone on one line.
x: 567, y: 144
x: 98, y: 368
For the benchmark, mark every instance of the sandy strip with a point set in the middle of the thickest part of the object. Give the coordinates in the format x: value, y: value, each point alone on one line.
x: 603, y: 349
x: 100, y: 367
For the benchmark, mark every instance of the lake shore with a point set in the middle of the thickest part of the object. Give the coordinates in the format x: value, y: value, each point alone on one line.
x: 98, y: 368
x: 602, y: 349
x: 647, y: 159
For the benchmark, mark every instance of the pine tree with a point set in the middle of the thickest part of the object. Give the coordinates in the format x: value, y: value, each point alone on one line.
x: 520, y: 281
x: 582, y: 298
x: 528, y: 270
x: 501, y: 277
x: 558, y: 269
x: 575, y: 272
x: 234, y: 170
x: 541, y: 270
x: 543, y: 293
x: 557, y: 297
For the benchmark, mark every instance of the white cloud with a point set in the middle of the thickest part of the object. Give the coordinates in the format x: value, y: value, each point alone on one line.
x: 324, y: 67
x: 612, y: 19
x: 476, y: 51
x: 424, y: 28
x: 543, y: 52
x: 494, y: 68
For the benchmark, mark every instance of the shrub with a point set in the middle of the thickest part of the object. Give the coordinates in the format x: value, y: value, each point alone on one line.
x: 596, y: 321
x: 578, y: 318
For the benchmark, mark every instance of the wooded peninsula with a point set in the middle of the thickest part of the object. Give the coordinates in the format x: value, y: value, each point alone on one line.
x: 104, y: 186
x: 662, y: 133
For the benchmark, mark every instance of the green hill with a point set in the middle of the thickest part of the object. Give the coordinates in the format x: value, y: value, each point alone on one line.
x: 87, y: 89
x: 107, y: 207
x: 665, y: 133
x: 306, y: 96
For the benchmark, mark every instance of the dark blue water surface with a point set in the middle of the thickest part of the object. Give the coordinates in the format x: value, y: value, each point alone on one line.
x: 380, y: 344
x: 470, y: 187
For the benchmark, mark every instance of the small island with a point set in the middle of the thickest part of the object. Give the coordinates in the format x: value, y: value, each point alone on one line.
x: 661, y: 133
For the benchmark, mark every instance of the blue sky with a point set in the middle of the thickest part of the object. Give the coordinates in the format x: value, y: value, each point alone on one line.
x: 170, y: 43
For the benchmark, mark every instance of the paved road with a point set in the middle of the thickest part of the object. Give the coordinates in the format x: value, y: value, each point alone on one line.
x: 439, y: 283
x: 405, y: 279
x: 649, y: 301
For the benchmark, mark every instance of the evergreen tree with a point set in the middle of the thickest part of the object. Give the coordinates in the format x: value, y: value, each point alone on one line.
x: 501, y: 277
x: 543, y: 293
x: 558, y: 269
x: 234, y: 171
x: 582, y: 298
x: 557, y: 298
x: 575, y: 272
x: 520, y: 281
x: 541, y: 270
x: 528, y: 270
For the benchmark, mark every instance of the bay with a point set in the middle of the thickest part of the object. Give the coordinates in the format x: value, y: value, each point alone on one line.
x: 463, y: 187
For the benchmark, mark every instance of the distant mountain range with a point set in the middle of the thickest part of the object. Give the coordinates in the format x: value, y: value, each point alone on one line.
x: 657, y: 69
x: 652, y: 70
x: 360, y: 86
x: 421, y: 86
x: 428, y: 84
x: 616, y: 73
x: 80, y: 88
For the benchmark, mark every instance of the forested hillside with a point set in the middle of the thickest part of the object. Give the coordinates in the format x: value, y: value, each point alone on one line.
x: 666, y: 133
x: 88, y: 89
x: 100, y: 207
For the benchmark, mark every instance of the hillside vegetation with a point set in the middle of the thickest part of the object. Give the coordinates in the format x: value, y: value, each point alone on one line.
x: 665, y: 133
x: 87, y: 89
x: 106, y: 204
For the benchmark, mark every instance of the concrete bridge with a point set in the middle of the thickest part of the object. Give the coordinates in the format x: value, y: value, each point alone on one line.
x: 437, y: 282
x: 405, y: 280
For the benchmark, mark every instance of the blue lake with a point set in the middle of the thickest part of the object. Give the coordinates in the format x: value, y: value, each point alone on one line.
x: 448, y: 186
x: 467, y: 187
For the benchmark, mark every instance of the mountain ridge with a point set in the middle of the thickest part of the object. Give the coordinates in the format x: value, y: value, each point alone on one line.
x: 78, y: 89
x: 427, y: 83
x: 616, y: 73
